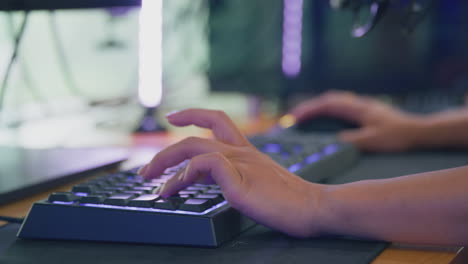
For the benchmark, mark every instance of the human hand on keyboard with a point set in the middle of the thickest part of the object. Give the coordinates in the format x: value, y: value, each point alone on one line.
x: 383, y: 128
x: 251, y: 181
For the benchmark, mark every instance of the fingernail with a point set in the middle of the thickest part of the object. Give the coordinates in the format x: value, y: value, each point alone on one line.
x: 172, y: 113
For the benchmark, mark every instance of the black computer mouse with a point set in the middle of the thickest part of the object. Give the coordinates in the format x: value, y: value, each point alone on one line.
x: 324, y: 124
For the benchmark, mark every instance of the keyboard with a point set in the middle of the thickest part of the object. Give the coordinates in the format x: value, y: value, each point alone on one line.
x: 121, y: 207
x: 429, y: 102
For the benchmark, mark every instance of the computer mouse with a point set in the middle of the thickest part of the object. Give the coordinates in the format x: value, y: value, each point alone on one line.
x: 324, y: 124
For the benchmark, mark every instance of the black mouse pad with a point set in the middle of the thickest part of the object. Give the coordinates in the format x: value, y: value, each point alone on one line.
x: 7, y: 236
x: 257, y: 245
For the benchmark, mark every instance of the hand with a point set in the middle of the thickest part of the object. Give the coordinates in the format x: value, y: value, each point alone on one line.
x: 251, y: 182
x: 383, y: 128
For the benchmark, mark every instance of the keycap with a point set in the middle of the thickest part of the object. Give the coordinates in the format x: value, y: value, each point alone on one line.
x: 166, y: 204
x: 93, y: 199
x: 151, y: 184
x: 185, y: 196
x: 135, y: 192
x: 104, y: 193
x: 98, y: 183
x: 193, y: 193
x: 144, y: 189
x: 84, y: 188
x: 145, y: 200
x: 213, y: 191
x: 114, y: 189
x: 177, y: 199
x: 195, y: 205
x: 215, y: 198
x: 119, y: 199
x: 63, y: 197
x: 196, y: 188
x: 126, y: 185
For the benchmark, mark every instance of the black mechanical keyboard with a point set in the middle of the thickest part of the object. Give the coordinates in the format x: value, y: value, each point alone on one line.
x: 121, y: 207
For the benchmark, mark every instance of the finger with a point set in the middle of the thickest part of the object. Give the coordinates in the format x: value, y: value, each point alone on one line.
x: 359, y: 137
x: 220, y: 124
x: 217, y: 166
x: 175, y: 154
x: 342, y: 105
x: 142, y: 170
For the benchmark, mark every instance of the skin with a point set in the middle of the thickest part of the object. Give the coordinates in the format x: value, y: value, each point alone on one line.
x: 427, y: 208
x: 384, y: 128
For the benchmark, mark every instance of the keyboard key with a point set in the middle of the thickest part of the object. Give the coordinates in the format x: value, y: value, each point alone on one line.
x: 144, y: 189
x: 119, y: 199
x: 196, y: 188
x: 114, y: 189
x: 146, y: 200
x: 192, y: 193
x: 185, y: 196
x: 93, y: 199
x: 135, y: 192
x: 84, y: 188
x: 125, y: 185
x: 215, y: 198
x: 214, y: 191
x: 152, y: 184
x: 104, y: 193
x: 196, y: 205
x: 98, y: 183
x: 166, y: 204
x: 63, y: 197
x: 177, y: 199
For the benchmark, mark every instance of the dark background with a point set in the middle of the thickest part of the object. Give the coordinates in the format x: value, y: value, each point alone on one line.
x: 246, y: 47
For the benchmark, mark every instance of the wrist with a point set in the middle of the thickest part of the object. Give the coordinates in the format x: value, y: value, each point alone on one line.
x: 319, y: 210
x: 428, y: 131
x: 419, y: 130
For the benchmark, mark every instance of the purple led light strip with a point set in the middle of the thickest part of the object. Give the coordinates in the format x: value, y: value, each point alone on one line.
x: 292, y: 37
x: 147, y: 209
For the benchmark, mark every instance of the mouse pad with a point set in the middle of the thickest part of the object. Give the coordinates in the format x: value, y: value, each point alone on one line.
x: 7, y: 236
x: 257, y: 245
x: 389, y: 165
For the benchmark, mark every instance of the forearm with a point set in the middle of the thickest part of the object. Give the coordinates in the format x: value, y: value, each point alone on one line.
x: 446, y: 129
x: 427, y: 208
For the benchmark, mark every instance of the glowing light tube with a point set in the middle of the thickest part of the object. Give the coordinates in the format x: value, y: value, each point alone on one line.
x: 292, y: 37
x: 150, y: 53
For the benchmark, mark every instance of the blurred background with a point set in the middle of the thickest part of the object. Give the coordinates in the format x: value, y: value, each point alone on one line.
x: 75, y: 81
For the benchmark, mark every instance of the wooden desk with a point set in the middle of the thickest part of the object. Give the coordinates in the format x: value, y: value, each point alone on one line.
x: 395, y: 254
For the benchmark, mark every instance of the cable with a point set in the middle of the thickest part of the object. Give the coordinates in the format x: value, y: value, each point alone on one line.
x: 16, y: 220
x: 24, y: 68
x: 63, y: 60
x: 13, y: 58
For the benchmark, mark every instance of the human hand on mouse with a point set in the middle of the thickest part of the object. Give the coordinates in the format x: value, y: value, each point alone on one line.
x: 383, y: 128
x: 251, y: 182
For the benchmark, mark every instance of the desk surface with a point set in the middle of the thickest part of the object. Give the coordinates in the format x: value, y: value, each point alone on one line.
x: 395, y: 254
